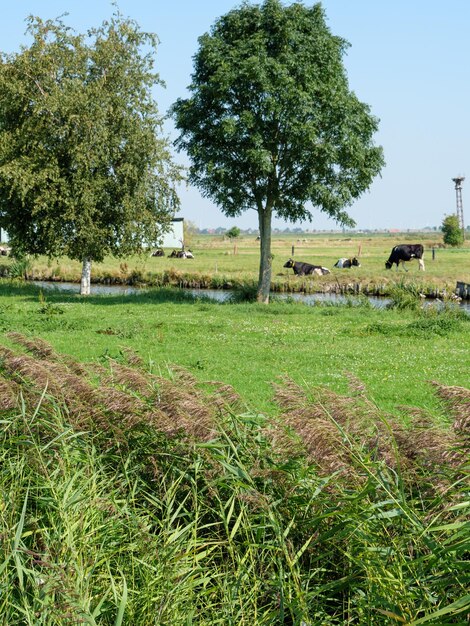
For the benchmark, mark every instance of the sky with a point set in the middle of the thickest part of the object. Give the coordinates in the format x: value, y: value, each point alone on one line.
x: 409, y: 60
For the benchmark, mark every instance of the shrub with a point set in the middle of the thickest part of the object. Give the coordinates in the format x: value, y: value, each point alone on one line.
x: 233, y: 233
x: 453, y: 235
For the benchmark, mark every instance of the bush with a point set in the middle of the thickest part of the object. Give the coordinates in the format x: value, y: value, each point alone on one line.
x: 453, y: 235
x: 233, y: 233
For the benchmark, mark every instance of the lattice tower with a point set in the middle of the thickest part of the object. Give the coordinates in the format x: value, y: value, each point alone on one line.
x: 458, y: 180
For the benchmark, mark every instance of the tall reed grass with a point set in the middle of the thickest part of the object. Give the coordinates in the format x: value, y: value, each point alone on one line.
x: 131, y: 498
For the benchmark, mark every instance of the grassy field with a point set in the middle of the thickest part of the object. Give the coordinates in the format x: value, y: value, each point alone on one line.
x: 220, y: 262
x: 127, y: 497
x: 166, y: 459
x: 394, y: 352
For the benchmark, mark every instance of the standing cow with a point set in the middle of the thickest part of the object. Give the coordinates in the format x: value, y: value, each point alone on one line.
x: 302, y: 269
x: 406, y: 252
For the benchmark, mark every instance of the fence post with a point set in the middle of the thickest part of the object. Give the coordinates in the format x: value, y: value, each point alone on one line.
x: 433, y: 253
x: 292, y: 253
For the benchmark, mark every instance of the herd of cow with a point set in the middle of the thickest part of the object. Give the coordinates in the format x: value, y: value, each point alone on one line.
x: 399, y: 254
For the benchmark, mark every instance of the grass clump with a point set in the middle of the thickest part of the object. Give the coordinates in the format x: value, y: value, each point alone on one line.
x: 428, y: 322
x: 20, y: 268
x: 434, y: 325
x: 405, y: 296
x: 129, y: 497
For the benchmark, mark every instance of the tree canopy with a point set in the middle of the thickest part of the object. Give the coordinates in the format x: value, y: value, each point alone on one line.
x: 453, y: 235
x: 233, y: 232
x: 271, y: 124
x: 84, y: 168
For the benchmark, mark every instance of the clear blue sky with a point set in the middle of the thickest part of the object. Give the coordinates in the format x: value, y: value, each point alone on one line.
x: 409, y: 60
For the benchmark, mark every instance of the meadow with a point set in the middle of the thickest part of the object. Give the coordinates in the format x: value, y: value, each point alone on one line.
x: 394, y: 352
x: 167, y: 459
x: 223, y: 263
x: 139, y: 489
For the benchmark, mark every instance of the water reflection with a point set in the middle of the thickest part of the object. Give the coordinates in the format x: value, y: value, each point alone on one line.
x: 96, y: 289
x: 220, y: 295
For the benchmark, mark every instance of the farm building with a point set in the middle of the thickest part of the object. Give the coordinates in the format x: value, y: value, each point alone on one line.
x: 175, y: 237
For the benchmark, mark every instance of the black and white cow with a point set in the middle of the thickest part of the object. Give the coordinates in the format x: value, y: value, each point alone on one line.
x: 157, y: 252
x: 302, y: 269
x: 181, y: 254
x: 177, y: 254
x: 344, y: 263
x: 406, y: 252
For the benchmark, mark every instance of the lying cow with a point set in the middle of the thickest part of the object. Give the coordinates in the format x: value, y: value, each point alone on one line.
x: 158, y: 252
x: 344, y: 263
x: 176, y: 254
x: 406, y: 252
x: 302, y: 269
x: 5, y: 250
x: 181, y: 254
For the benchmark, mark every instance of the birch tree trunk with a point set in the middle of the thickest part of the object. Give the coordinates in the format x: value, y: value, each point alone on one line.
x: 86, y: 277
x: 265, y: 261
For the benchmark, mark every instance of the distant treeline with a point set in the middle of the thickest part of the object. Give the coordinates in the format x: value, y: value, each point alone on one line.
x: 300, y: 231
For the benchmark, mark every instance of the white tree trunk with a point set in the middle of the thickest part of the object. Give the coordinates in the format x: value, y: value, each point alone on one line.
x: 86, y: 277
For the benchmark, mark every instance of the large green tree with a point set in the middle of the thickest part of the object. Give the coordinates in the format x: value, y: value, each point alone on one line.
x: 271, y: 124
x: 84, y: 168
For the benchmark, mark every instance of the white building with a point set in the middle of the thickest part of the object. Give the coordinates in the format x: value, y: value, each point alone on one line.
x: 175, y: 237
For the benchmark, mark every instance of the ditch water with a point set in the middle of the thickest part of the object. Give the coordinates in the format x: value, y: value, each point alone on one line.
x: 224, y: 295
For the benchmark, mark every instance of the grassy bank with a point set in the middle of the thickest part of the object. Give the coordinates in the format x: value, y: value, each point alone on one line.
x: 220, y: 263
x: 131, y: 498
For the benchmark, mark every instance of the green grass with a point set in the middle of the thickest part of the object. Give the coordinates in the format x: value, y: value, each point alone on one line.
x: 136, y: 492
x: 128, y: 498
x: 395, y: 352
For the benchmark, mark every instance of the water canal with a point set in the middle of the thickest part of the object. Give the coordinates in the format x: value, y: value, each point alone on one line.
x: 223, y: 295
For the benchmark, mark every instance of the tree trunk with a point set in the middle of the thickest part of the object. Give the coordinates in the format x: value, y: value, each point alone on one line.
x: 265, y: 261
x: 86, y: 277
